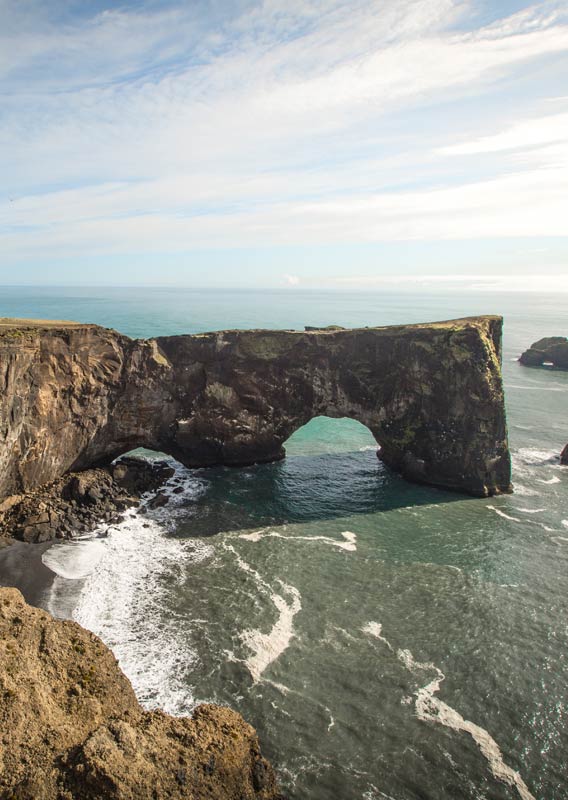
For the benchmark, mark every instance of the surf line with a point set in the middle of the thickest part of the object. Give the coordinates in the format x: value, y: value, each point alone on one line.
x: 431, y: 709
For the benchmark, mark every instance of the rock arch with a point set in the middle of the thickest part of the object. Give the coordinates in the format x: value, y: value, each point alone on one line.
x: 79, y: 395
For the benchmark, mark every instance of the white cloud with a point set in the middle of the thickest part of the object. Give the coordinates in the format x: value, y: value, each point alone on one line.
x: 529, y: 133
x: 291, y: 280
x: 152, y: 133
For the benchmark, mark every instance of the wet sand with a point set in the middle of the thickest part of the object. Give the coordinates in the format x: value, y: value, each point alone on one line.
x: 21, y: 566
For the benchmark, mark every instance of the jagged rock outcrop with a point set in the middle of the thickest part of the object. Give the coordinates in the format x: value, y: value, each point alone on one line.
x: 71, y: 727
x: 564, y: 456
x: 552, y: 350
x: 77, y: 396
x: 79, y: 501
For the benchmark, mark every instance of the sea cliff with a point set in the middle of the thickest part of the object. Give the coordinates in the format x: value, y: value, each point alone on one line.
x: 77, y: 396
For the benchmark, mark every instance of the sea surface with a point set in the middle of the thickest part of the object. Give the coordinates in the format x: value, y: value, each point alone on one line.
x: 386, y: 640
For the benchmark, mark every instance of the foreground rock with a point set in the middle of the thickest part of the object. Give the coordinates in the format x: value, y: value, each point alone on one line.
x: 551, y: 351
x: 79, y: 502
x: 77, y: 396
x: 71, y: 727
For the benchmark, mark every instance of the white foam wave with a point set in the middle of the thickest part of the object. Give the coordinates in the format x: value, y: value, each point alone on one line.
x: 267, y: 647
x: 565, y: 523
x: 74, y: 559
x: 524, y: 491
x: 123, y: 602
x: 349, y: 542
x: 431, y: 709
x: 562, y: 540
x: 534, y: 456
x: 530, y: 510
x: 124, y: 591
x: 375, y: 629
x: 554, y: 479
x: 503, y: 514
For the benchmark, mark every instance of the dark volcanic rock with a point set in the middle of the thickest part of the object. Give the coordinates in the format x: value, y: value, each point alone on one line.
x: 551, y: 350
x: 564, y: 456
x: 79, y: 502
x: 77, y: 396
x: 71, y: 727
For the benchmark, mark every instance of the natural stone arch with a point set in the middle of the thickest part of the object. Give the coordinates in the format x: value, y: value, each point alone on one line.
x: 80, y: 395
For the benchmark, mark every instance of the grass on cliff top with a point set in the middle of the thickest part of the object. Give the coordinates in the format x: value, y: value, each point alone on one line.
x: 25, y: 324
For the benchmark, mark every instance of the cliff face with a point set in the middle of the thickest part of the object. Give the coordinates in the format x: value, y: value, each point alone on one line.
x: 75, y: 396
x: 71, y: 727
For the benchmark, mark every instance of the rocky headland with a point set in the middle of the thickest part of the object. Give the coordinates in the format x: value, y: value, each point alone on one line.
x: 71, y: 727
x: 75, y: 397
x: 550, y: 352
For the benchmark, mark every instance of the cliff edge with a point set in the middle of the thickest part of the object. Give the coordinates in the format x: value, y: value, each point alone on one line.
x: 71, y: 727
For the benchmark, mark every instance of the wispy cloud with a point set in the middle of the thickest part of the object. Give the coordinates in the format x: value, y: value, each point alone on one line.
x: 169, y: 129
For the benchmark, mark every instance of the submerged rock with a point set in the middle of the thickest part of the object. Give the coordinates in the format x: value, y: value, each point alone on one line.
x: 71, y: 727
x: 552, y: 351
x: 78, y: 396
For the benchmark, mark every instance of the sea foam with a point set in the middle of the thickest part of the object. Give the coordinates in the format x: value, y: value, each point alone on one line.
x: 503, y: 514
x: 430, y: 708
x: 349, y: 542
x: 267, y: 647
x: 75, y: 559
x: 123, y: 583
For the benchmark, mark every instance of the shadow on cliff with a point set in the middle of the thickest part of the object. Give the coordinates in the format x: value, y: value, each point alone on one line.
x: 301, y: 489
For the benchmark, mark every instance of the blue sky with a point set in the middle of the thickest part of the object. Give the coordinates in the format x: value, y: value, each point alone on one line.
x: 298, y: 143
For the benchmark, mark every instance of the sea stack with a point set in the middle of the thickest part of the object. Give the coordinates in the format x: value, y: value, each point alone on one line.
x: 552, y: 351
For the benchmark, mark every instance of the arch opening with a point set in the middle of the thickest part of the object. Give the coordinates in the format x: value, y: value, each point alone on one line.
x: 323, y: 435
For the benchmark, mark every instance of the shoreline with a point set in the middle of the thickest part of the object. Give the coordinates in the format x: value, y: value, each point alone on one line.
x: 21, y: 567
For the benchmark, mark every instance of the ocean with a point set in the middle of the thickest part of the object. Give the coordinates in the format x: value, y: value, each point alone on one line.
x: 386, y: 640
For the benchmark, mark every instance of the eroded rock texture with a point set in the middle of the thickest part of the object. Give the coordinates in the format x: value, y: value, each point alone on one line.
x: 552, y: 350
x: 79, y: 501
x: 71, y: 727
x: 76, y: 396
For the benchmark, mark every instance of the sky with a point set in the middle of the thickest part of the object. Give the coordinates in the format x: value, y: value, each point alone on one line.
x: 285, y: 143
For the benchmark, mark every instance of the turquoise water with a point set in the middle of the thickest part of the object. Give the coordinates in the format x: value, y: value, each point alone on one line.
x: 386, y: 640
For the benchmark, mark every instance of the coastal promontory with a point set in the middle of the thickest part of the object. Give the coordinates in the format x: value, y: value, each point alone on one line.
x: 71, y: 727
x: 75, y: 396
